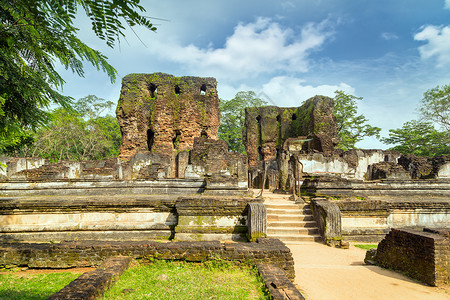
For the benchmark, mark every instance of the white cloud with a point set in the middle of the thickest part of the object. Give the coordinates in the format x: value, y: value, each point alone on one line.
x: 291, y: 91
x: 389, y: 36
x: 447, y: 4
x: 438, y: 43
x: 262, y: 47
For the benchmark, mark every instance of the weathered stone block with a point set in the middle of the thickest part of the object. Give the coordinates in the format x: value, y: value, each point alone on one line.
x: 256, y: 221
x: 328, y: 219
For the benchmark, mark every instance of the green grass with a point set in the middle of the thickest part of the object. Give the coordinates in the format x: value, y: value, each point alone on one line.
x: 367, y: 246
x: 33, y: 286
x: 180, y: 280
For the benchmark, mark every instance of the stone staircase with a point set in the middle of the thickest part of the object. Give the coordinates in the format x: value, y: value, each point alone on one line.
x: 291, y: 223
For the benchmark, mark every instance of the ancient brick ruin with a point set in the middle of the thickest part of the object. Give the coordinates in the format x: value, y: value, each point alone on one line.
x: 174, y: 180
x: 267, y: 128
x: 273, y: 136
x: 163, y: 114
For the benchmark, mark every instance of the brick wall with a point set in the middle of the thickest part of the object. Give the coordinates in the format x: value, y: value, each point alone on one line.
x: 421, y: 255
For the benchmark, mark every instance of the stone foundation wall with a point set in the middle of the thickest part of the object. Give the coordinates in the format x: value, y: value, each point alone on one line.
x: 123, y: 217
x: 93, y: 253
x: 421, y: 255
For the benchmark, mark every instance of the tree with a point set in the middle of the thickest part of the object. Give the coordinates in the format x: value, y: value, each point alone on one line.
x: 233, y: 118
x: 35, y: 34
x: 80, y: 134
x: 351, y: 128
x: 435, y: 106
x: 419, y: 138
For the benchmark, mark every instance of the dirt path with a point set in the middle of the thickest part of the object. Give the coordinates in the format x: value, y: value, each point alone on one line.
x: 323, y: 272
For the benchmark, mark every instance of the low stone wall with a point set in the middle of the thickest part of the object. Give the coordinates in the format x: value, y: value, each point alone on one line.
x: 328, y: 219
x: 421, y: 255
x: 93, y: 253
x: 92, y: 285
x: 278, y: 284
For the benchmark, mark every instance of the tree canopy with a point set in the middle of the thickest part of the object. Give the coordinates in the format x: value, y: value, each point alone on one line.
x: 351, y: 127
x: 420, y: 137
x: 435, y: 106
x: 83, y: 133
x: 233, y: 118
x: 35, y: 34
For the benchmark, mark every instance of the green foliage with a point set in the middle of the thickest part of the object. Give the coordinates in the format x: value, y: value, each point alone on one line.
x: 36, y: 286
x: 233, y: 118
x: 182, y: 280
x: 80, y: 134
x: 351, y: 128
x: 35, y: 34
x: 419, y: 138
x: 366, y: 246
x: 435, y: 106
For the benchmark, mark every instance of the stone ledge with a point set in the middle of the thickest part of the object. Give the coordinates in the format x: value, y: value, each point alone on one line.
x: 277, y: 283
x: 92, y: 285
x: 93, y: 253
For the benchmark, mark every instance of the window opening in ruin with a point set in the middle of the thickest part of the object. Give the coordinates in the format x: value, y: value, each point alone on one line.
x: 278, y: 118
x: 294, y: 117
x: 258, y: 118
x: 177, y: 90
x: 153, y: 90
x: 261, y: 156
x: 203, y: 89
x: 204, y: 134
x: 176, y: 139
x: 150, y: 139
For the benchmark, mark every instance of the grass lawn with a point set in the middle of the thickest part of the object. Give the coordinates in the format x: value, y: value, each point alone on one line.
x: 24, y: 286
x: 180, y: 280
x: 367, y: 246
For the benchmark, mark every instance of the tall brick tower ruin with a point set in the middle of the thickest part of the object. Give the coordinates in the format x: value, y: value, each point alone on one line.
x: 163, y: 114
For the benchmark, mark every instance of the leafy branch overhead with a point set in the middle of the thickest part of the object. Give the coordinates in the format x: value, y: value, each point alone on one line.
x: 35, y: 34
x: 351, y: 128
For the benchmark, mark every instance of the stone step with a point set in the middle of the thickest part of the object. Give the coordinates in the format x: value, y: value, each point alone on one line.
x: 291, y: 231
x: 289, y: 211
x: 306, y: 224
x: 284, y: 206
x: 294, y: 217
x: 297, y: 238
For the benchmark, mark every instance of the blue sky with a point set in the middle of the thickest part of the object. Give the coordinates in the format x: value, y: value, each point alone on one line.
x: 388, y: 52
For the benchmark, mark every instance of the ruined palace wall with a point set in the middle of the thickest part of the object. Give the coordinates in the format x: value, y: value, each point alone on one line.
x: 351, y: 164
x: 267, y: 128
x: 163, y: 113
